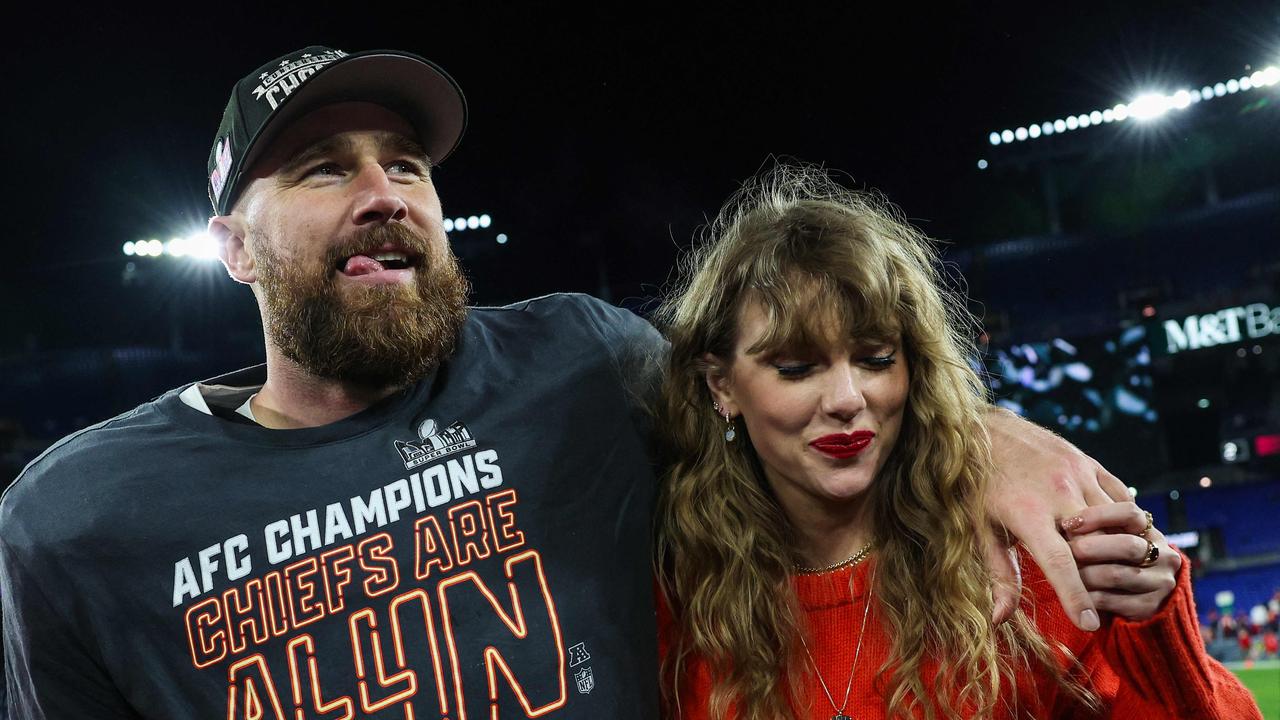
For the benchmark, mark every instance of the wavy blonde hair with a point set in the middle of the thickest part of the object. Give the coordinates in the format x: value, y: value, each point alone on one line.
x: 807, y: 249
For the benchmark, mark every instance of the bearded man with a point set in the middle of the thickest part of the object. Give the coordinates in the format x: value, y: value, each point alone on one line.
x: 412, y: 509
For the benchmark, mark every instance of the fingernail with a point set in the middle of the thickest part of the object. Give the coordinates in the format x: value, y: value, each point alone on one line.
x: 1089, y: 620
x: 1072, y: 524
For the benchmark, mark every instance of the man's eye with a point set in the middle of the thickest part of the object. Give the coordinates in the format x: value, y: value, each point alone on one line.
x: 324, y: 169
x: 406, y: 166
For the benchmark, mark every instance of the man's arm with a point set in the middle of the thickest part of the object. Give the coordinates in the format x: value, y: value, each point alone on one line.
x: 1038, y: 481
x: 48, y: 669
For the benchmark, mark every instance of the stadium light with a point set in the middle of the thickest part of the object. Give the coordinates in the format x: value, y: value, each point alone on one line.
x: 471, y: 222
x: 202, y: 246
x: 1150, y: 106
x: 198, y: 246
x: 1145, y: 107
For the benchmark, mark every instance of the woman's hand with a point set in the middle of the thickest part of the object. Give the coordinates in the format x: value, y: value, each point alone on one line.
x: 1113, y: 546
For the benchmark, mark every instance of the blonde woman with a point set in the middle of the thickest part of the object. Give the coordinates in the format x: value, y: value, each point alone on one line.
x: 821, y: 527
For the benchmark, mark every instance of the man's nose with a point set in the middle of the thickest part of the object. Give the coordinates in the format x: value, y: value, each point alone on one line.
x: 377, y: 201
x: 842, y: 397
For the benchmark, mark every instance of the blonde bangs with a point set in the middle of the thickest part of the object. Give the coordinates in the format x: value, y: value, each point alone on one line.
x: 812, y: 313
x: 821, y: 281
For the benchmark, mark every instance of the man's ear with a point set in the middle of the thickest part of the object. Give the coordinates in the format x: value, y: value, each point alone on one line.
x: 720, y: 384
x: 229, y: 231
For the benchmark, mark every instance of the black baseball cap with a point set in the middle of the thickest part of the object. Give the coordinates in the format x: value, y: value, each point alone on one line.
x: 278, y: 93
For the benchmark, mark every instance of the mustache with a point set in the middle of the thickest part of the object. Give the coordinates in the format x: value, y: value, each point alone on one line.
x: 373, y: 239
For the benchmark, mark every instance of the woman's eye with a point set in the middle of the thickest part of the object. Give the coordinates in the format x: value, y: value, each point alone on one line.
x: 793, y: 370
x: 881, y: 362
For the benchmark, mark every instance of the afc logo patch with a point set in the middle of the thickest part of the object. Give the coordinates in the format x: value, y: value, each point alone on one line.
x: 578, y: 654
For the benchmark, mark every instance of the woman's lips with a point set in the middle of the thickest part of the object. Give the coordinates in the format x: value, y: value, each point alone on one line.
x: 843, y: 446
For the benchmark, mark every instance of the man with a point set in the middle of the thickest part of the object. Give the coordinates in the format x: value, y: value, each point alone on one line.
x: 411, y: 510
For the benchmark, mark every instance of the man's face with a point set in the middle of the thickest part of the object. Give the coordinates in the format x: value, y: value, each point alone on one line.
x: 353, y: 270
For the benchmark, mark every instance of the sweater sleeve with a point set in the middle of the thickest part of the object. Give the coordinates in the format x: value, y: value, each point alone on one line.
x: 1162, y: 666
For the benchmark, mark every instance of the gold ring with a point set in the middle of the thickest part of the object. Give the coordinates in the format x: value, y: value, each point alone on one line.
x: 1151, y: 556
x: 1150, y: 524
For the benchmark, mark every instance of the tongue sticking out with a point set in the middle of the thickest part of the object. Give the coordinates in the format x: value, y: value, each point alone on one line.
x: 362, y: 265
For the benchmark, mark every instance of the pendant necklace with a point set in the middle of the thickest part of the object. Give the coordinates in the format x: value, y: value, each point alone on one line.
x: 840, y: 714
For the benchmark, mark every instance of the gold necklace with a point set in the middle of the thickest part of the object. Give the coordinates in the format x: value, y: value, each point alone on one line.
x: 857, y: 652
x: 850, y: 561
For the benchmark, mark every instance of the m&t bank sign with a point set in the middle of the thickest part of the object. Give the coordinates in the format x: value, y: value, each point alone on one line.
x: 1224, y: 327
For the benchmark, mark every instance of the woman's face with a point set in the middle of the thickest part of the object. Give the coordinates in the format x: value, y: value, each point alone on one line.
x: 823, y: 422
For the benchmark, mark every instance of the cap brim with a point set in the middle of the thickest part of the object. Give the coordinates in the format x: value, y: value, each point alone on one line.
x: 409, y: 85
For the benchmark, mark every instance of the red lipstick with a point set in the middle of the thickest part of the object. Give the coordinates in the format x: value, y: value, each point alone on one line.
x: 842, y: 446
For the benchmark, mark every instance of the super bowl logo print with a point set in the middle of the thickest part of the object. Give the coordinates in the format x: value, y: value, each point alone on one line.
x: 434, y: 443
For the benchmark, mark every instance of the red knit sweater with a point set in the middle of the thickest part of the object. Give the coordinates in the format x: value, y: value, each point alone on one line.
x: 1146, y: 670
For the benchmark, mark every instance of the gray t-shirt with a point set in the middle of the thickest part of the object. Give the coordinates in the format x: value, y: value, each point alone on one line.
x: 474, y: 547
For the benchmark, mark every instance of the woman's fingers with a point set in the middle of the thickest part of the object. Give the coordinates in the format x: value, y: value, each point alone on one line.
x: 1131, y: 607
x: 1112, y: 548
x: 1111, y: 566
x: 1124, y: 517
x: 1127, y: 579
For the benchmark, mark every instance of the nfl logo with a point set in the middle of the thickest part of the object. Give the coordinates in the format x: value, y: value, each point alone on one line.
x: 586, y: 681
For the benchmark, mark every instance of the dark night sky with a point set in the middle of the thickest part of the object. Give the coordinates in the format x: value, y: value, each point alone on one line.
x: 598, y: 137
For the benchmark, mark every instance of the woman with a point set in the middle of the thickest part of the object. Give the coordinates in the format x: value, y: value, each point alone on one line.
x: 821, y: 524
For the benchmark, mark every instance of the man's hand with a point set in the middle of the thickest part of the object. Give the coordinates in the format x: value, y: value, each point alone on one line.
x: 1037, y: 481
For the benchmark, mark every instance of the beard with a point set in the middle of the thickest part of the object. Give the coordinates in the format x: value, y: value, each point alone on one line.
x: 374, y: 336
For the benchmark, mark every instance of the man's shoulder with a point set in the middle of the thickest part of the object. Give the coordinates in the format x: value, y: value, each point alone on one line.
x: 564, y: 315
x: 66, y: 469
x: 554, y: 306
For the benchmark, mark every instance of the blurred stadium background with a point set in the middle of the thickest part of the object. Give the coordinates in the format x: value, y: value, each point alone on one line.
x: 1124, y: 262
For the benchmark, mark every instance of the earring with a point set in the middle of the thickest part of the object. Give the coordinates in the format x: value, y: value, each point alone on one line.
x: 730, y: 432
